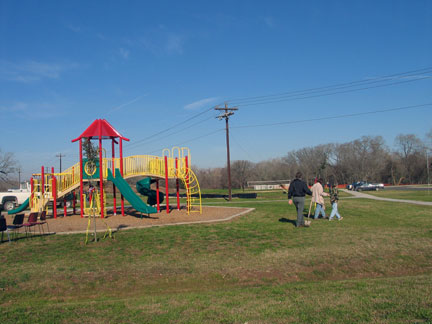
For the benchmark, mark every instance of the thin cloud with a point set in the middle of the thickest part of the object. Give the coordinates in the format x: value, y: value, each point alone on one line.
x: 32, y: 111
x: 269, y: 21
x: 16, y: 107
x: 75, y: 29
x: 32, y: 71
x: 200, y: 103
x: 127, y: 103
x: 409, y: 77
x: 159, y: 41
x: 174, y: 44
x: 124, y: 53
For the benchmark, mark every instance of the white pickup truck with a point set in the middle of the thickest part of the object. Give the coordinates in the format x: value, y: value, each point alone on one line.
x: 14, y: 197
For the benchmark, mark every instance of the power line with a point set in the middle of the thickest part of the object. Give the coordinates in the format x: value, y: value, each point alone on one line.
x: 332, y: 87
x: 335, y: 117
x: 171, y: 127
x: 192, y: 139
x: 298, y: 95
x: 143, y: 142
x: 331, y: 93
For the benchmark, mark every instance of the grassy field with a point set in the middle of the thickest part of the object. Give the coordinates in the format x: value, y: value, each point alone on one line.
x: 374, y: 266
x: 421, y: 195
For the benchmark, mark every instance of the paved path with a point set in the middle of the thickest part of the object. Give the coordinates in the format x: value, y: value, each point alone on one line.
x: 357, y: 194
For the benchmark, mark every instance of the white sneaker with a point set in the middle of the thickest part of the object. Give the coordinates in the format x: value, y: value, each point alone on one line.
x: 340, y: 218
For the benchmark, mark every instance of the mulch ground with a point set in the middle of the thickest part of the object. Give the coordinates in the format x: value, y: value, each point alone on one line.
x: 132, y: 219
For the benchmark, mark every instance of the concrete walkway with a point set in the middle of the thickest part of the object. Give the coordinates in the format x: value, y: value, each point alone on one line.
x: 357, y: 194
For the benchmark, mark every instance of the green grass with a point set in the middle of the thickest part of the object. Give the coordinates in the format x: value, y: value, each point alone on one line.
x: 372, y: 267
x: 421, y: 195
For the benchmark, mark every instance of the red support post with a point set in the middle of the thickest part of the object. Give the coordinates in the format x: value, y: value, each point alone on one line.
x: 31, y: 192
x: 54, y: 192
x: 177, y: 184
x: 166, y: 185
x: 113, y: 170
x: 157, y: 196
x: 74, y: 202
x: 64, y: 206
x: 101, y: 177
x: 121, y: 171
x: 187, y: 171
x: 54, y: 184
x: 187, y: 183
x: 42, y: 180
x: 81, y: 180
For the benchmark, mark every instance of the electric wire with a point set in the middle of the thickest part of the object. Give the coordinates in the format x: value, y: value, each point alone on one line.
x: 332, y: 93
x: 141, y: 143
x: 334, y: 117
x: 296, y: 95
x: 191, y: 139
x: 171, y: 127
x: 412, y: 73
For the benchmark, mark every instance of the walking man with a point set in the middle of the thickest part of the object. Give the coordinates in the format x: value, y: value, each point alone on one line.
x: 296, y: 193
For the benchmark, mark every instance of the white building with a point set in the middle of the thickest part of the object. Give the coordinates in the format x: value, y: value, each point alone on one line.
x: 268, y: 184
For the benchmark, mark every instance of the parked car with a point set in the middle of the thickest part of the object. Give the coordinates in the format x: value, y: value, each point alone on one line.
x: 365, y: 186
x: 14, y: 197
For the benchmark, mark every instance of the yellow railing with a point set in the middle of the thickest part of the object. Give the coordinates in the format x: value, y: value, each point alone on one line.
x: 68, y: 179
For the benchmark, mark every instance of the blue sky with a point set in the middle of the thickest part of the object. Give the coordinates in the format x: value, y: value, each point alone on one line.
x: 147, y: 66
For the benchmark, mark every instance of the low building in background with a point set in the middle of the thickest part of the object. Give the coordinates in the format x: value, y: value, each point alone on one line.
x: 268, y: 184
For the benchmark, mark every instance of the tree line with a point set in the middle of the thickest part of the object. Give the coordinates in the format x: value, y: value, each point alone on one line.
x: 367, y: 158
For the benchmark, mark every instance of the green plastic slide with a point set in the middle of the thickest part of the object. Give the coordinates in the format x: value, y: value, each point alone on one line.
x: 22, y: 207
x: 143, y: 187
x: 129, y: 194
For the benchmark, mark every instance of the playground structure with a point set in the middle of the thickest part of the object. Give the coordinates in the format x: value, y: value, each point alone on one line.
x: 51, y: 187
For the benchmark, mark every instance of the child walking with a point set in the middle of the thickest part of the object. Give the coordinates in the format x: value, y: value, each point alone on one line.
x: 334, y: 198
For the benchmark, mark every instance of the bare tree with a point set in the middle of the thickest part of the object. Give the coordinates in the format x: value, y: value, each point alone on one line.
x: 362, y: 159
x: 241, y: 172
x: 8, y: 165
x: 210, y: 178
x: 410, y: 150
x: 311, y: 161
x: 274, y: 169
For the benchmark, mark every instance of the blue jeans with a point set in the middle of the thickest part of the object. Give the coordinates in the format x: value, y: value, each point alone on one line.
x: 319, y: 209
x: 334, y: 211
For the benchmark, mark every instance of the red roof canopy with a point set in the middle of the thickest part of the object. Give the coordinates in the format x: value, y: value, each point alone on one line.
x: 100, y: 128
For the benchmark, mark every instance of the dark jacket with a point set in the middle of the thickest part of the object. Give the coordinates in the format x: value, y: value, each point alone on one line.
x: 298, y: 188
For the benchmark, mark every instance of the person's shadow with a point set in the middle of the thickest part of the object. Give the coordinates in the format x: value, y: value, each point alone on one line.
x: 286, y: 220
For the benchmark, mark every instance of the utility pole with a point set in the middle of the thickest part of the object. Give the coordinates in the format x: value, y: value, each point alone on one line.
x: 60, y: 156
x: 19, y: 177
x: 228, y: 112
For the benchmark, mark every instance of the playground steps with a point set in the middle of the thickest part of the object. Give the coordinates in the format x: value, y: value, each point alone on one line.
x: 193, y: 192
x: 60, y: 194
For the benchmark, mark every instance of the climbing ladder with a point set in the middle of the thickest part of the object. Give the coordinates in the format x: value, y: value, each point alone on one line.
x: 193, y: 192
